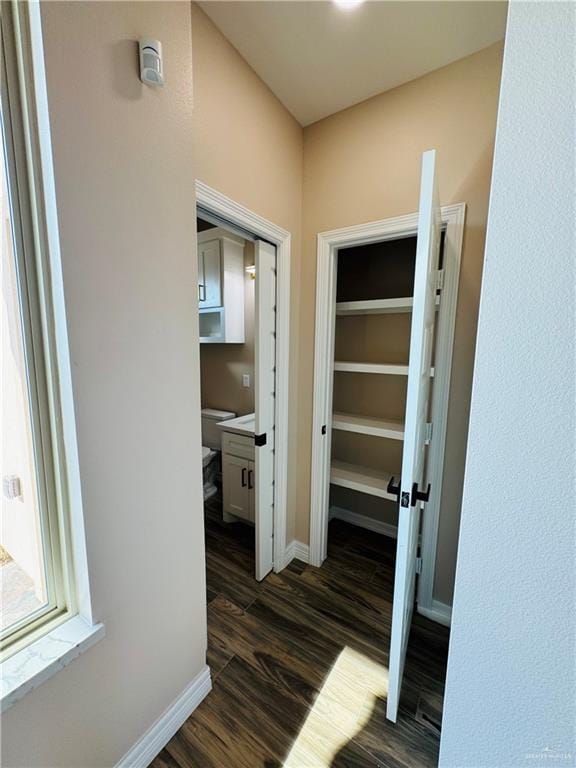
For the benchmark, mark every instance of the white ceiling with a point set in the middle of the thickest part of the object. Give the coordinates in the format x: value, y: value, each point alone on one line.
x: 319, y: 59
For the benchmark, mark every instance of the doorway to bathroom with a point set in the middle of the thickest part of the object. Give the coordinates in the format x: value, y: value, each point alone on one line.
x: 243, y: 304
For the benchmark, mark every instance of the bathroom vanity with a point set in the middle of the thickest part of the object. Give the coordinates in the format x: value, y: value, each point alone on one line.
x: 238, y: 468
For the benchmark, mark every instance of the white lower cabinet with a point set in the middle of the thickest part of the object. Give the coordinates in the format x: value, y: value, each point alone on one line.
x: 238, y: 477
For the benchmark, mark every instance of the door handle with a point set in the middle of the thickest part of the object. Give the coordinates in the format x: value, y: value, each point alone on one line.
x: 392, y: 489
x: 243, y: 477
x: 419, y: 495
x: 250, y: 483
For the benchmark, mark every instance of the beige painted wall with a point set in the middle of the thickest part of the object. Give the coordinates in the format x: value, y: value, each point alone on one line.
x: 363, y: 164
x: 248, y: 146
x: 223, y: 365
x: 359, y: 165
x: 124, y: 181
x: 140, y: 356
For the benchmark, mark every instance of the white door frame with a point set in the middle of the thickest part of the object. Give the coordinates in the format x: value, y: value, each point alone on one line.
x: 453, y: 217
x: 226, y: 208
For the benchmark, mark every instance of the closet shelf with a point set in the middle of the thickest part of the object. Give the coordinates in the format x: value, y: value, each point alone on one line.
x: 367, y: 425
x: 363, y: 479
x: 376, y: 306
x: 383, y: 368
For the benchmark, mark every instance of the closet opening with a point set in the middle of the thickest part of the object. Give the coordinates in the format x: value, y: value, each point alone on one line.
x: 373, y: 314
x: 374, y: 286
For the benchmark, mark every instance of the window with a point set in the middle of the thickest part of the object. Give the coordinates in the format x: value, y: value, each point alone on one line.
x: 35, y: 588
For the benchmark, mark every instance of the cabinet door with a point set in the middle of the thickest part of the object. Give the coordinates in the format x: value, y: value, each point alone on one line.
x: 235, y: 486
x: 209, y: 275
x: 251, y: 486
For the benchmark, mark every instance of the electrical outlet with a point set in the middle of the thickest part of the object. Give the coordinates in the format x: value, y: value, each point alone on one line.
x: 246, y: 380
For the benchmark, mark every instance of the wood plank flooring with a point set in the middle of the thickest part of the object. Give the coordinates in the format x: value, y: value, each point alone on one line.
x: 299, y: 662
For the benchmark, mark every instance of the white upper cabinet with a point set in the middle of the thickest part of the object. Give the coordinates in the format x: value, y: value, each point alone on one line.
x: 209, y: 274
x: 221, y: 287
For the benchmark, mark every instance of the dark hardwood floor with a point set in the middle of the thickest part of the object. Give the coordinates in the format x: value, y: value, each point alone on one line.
x: 299, y: 662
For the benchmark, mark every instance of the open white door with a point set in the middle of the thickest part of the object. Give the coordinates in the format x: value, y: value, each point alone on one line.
x: 265, y: 343
x: 412, y: 493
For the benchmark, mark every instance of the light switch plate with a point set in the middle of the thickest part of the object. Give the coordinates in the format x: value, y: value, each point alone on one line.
x: 246, y: 380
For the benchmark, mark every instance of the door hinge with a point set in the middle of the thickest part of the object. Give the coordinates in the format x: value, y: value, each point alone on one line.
x: 260, y: 440
x: 439, y: 279
x: 428, y: 435
x: 418, y: 495
x: 418, y: 565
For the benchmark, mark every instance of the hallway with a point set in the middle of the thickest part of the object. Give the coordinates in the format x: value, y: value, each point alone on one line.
x: 299, y: 662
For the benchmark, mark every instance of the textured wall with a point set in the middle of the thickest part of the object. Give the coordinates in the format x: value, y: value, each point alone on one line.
x: 510, y: 698
x: 125, y: 193
x: 248, y: 146
x: 363, y: 164
x: 359, y: 165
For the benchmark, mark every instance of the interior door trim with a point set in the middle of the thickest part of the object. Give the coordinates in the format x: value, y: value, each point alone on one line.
x: 229, y: 211
x: 453, y: 219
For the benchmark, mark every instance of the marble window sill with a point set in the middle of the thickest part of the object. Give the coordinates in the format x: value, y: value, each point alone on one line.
x: 30, y: 667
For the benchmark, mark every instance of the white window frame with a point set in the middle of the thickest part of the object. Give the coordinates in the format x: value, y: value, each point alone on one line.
x: 56, y: 635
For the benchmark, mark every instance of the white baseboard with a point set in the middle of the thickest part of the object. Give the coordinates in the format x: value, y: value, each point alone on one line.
x: 378, y: 526
x: 296, y: 550
x: 141, y: 754
x: 440, y: 612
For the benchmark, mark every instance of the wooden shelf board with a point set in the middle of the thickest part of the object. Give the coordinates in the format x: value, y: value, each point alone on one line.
x: 381, y: 368
x: 368, y: 425
x: 391, y: 369
x: 362, y: 479
x: 376, y: 306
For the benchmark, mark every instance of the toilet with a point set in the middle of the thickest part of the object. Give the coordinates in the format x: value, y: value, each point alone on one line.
x: 211, y: 447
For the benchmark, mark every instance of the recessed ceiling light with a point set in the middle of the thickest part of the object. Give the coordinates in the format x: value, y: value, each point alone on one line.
x: 348, y: 5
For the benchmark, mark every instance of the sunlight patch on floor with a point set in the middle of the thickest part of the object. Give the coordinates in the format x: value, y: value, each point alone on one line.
x: 342, y: 708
